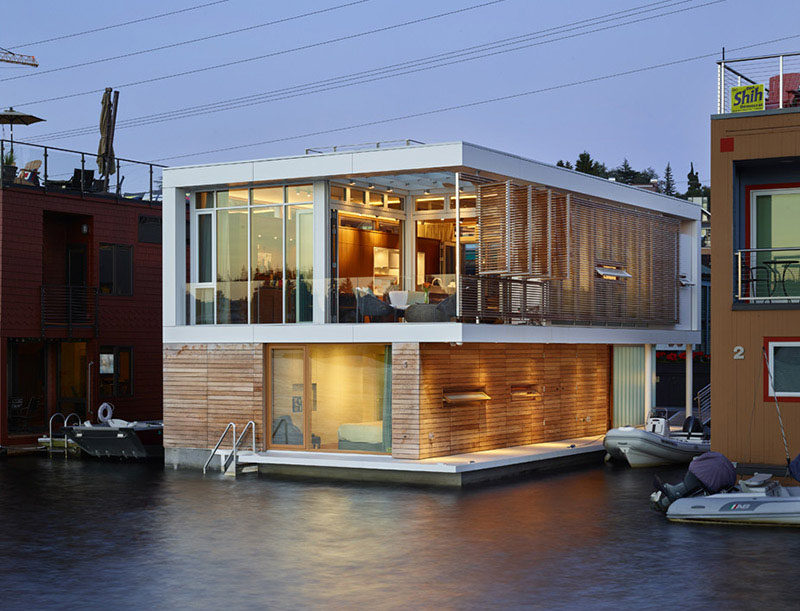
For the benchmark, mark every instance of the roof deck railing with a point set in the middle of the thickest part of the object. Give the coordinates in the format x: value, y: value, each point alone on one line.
x: 55, y: 170
x: 776, y: 77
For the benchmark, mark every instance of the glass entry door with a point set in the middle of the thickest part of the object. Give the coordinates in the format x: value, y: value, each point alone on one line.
x: 288, y: 401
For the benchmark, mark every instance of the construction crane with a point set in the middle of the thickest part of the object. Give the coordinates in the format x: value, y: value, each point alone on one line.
x: 17, y: 58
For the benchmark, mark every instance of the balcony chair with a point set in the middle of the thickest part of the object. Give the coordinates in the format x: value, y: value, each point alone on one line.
x: 377, y: 311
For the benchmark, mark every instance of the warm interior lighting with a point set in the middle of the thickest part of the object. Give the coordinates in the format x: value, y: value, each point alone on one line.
x: 525, y: 391
x: 464, y: 396
x: 611, y: 272
x: 351, y: 182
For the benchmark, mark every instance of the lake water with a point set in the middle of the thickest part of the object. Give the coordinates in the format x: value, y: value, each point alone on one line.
x: 104, y: 535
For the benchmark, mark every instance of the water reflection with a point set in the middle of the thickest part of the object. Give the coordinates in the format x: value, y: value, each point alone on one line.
x: 96, y: 534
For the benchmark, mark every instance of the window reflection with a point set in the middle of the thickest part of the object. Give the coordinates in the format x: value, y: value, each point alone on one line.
x: 232, y: 267
x: 267, y: 264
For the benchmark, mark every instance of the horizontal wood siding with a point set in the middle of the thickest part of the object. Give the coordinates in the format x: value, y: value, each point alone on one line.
x: 405, y: 400
x: 574, y: 380
x: 208, y: 385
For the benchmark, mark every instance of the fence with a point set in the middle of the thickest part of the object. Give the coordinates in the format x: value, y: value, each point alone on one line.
x: 777, y: 73
x: 57, y: 170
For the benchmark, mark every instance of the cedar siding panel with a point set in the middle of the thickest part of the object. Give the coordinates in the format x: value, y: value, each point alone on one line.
x: 575, y: 381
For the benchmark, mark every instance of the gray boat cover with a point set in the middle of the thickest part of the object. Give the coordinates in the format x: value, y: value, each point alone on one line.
x: 714, y: 470
x: 794, y: 468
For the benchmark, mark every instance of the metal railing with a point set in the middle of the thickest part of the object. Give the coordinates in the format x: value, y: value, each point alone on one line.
x: 235, y: 443
x: 55, y: 170
x: 69, y: 308
x: 767, y: 275
x: 779, y: 74
x: 50, y: 447
x: 703, y: 404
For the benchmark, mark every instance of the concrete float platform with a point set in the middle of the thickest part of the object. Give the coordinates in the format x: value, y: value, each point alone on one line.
x: 456, y: 470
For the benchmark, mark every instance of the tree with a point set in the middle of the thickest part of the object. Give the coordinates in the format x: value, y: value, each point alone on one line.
x: 695, y: 189
x: 669, y: 181
x: 587, y: 165
x: 564, y: 164
x: 624, y: 173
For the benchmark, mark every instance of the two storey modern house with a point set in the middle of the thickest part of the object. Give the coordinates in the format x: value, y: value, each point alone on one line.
x: 755, y: 254
x: 416, y: 302
x: 80, y: 287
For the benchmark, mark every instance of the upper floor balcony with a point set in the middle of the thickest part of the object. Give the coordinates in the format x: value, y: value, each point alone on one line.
x: 765, y: 82
x: 427, y: 234
x: 55, y: 170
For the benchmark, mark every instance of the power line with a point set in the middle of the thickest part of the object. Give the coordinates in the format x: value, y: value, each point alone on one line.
x: 192, y: 41
x: 273, y: 54
x: 474, y: 104
x: 384, y: 72
x: 119, y: 25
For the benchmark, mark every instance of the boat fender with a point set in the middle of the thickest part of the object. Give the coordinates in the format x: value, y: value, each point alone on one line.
x: 105, y: 412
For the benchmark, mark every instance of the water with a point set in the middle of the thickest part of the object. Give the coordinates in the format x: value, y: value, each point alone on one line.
x: 100, y: 535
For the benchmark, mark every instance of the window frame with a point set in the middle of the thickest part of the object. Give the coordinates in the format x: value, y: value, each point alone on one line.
x: 770, y: 343
x: 115, y: 350
x: 752, y: 193
x: 115, y: 292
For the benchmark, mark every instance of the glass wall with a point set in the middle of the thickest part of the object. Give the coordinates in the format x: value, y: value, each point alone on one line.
x: 252, y: 256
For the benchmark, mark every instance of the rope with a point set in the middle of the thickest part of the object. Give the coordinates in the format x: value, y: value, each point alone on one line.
x: 777, y: 407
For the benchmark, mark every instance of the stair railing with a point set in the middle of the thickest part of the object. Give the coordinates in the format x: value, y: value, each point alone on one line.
x: 233, y: 456
x: 231, y: 427
x: 703, y: 401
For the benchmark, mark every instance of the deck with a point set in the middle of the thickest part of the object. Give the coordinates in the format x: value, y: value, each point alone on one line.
x: 456, y: 470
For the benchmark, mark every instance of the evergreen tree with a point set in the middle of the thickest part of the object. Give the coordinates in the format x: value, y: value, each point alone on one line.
x: 695, y: 189
x: 587, y: 165
x: 669, y: 181
x: 564, y: 164
x: 624, y: 173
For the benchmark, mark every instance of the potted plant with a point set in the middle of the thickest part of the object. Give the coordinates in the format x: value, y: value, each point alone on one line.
x: 9, y: 167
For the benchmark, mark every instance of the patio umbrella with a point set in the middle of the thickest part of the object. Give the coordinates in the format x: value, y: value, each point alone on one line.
x: 105, y: 150
x: 14, y: 117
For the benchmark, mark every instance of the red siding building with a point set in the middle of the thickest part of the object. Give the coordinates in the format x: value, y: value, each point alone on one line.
x: 80, y: 293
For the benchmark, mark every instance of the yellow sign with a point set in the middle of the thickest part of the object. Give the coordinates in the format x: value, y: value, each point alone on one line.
x: 747, y: 98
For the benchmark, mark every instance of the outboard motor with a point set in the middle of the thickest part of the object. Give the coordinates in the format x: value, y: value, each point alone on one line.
x: 794, y: 468
x: 658, y: 426
x: 666, y: 494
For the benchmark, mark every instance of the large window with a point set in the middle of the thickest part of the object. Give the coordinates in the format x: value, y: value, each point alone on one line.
x: 116, y: 269
x: 335, y: 397
x: 252, y: 256
x: 774, y: 218
x: 116, y: 372
x: 783, y: 370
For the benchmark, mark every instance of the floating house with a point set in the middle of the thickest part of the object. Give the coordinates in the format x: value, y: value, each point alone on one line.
x: 755, y: 260
x: 415, y: 311
x: 80, y: 287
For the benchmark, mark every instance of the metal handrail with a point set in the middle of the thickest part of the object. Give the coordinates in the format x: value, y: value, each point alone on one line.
x: 744, y: 287
x: 50, y: 431
x: 232, y: 457
x: 66, y: 420
x: 231, y: 426
x: 703, y: 399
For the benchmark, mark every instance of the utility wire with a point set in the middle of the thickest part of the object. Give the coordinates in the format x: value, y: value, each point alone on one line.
x: 119, y: 25
x: 378, y: 73
x: 273, y: 54
x: 476, y: 103
x: 191, y: 41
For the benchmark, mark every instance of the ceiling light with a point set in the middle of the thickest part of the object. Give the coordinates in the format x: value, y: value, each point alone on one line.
x: 351, y: 182
x: 390, y: 190
x: 427, y: 192
x: 371, y: 186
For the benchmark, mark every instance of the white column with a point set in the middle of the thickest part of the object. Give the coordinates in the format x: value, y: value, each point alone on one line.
x: 648, y: 380
x: 321, y: 256
x: 173, y: 261
x: 689, y: 380
x: 458, y: 245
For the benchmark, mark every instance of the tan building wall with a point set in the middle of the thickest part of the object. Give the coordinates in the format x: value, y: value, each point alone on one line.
x: 745, y: 427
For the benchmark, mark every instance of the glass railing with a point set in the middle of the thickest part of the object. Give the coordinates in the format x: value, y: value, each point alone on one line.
x: 56, y: 170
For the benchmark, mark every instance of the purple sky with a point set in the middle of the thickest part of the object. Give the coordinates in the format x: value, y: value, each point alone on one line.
x: 651, y: 118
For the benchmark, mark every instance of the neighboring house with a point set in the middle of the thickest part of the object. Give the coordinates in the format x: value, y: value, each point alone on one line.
x: 755, y: 268
x: 80, y: 290
x: 416, y: 301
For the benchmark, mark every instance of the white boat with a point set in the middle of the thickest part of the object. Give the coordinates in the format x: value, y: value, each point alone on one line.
x: 656, y: 444
x: 759, y: 500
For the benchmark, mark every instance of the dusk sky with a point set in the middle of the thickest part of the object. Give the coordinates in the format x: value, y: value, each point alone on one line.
x: 650, y: 117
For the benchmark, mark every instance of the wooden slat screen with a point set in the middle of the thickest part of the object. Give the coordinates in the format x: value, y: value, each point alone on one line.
x: 554, y: 241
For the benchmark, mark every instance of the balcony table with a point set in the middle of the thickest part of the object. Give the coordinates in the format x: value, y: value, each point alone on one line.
x: 780, y: 274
